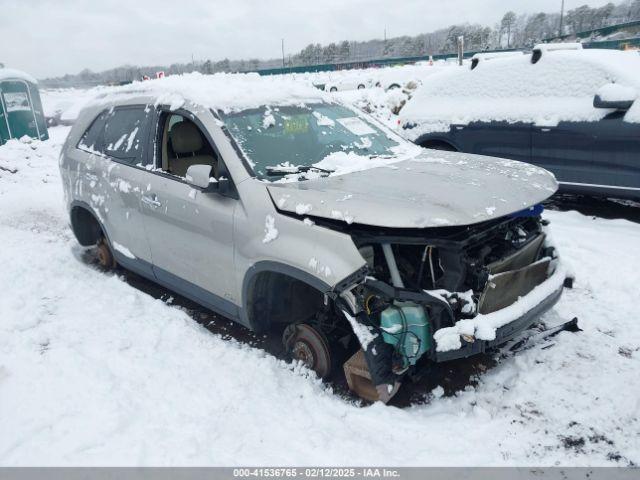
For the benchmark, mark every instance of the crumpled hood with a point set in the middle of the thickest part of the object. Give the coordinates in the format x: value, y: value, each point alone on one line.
x: 434, y: 189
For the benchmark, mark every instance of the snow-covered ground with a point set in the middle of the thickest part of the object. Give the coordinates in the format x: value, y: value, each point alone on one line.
x: 64, y: 104
x: 96, y: 372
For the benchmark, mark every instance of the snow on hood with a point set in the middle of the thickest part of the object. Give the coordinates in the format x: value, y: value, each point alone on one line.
x: 559, y: 87
x: 226, y: 91
x: 434, y: 189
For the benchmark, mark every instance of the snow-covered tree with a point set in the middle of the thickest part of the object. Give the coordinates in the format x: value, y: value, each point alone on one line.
x: 507, y: 24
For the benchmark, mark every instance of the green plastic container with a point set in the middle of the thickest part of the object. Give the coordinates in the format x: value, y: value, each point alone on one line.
x: 406, y: 326
x: 21, y: 110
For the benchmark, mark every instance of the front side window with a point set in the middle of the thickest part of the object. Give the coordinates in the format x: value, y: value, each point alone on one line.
x: 119, y: 133
x: 294, y: 138
x: 183, y: 144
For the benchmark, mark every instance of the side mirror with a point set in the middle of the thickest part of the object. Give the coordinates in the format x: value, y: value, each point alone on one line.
x: 598, y: 102
x: 615, y: 96
x: 200, y: 176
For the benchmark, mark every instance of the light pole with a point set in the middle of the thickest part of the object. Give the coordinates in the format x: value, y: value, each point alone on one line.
x: 283, y: 53
x: 561, y: 18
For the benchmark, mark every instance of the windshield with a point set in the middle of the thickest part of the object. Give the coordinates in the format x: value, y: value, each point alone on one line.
x: 284, y: 140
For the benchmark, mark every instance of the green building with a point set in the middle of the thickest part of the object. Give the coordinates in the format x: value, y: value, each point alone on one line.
x: 20, y: 107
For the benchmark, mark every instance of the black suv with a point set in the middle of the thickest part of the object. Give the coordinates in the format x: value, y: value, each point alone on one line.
x: 571, y: 111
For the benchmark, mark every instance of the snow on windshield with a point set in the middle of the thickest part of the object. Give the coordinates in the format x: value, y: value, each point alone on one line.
x: 313, y: 139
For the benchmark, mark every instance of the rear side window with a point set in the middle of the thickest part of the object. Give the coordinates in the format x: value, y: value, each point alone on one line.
x: 119, y: 133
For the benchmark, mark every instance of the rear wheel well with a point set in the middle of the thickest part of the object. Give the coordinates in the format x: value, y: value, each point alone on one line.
x: 85, y: 226
x: 438, y: 145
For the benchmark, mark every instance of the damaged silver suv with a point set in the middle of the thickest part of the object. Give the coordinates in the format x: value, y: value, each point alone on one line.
x: 271, y: 204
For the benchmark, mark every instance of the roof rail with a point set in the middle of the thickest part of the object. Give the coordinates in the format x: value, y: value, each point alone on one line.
x: 540, y: 48
x: 483, y: 57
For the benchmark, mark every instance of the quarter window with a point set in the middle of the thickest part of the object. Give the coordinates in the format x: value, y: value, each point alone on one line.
x: 90, y: 141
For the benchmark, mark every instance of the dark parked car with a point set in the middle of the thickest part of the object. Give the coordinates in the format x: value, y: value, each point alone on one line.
x: 572, y: 111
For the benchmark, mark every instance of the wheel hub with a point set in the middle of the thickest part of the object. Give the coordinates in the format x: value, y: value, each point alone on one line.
x: 303, y: 352
x: 308, y: 345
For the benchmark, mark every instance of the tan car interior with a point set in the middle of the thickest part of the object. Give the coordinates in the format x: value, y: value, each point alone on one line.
x: 184, y: 145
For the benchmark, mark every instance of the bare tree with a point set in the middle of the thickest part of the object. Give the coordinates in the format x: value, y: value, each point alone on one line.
x: 507, y: 24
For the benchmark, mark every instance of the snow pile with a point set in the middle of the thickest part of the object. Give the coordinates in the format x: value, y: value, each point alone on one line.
x: 226, y: 91
x: 96, y: 372
x: 64, y: 104
x: 382, y: 105
x: 17, y: 155
x: 10, y: 73
x: 613, y: 92
x: 348, y: 162
x: 559, y: 87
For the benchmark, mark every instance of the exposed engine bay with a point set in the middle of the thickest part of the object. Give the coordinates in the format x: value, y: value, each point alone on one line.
x: 419, y: 283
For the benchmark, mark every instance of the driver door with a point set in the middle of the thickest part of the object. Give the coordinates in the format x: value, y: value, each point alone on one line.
x: 190, y: 232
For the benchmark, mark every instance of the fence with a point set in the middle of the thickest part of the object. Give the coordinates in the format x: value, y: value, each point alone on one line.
x: 329, y: 67
x: 603, y: 31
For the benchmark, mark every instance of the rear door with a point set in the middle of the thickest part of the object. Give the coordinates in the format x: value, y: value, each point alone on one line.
x: 616, y: 154
x: 496, y: 139
x: 116, y: 178
x: 566, y: 150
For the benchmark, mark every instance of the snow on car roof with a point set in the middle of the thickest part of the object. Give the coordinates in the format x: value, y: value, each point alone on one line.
x: 493, y: 55
x: 559, y: 87
x: 225, y: 91
x: 9, y: 73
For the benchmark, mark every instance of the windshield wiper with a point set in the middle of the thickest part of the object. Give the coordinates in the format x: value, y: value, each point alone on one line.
x: 281, y: 171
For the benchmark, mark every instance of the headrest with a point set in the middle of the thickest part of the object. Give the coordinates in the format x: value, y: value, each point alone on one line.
x: 185, y: 137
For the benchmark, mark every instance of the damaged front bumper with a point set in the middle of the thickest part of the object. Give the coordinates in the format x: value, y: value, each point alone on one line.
x: 468, y: 337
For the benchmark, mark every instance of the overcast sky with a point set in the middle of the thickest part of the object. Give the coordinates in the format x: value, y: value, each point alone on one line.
x: 53, y: 37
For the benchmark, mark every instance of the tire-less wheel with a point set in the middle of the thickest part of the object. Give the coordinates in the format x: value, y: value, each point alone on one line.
x: 105, y: 257
x: 303, y: 342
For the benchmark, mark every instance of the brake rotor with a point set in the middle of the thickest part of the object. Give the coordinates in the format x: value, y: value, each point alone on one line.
x: 305, y: 343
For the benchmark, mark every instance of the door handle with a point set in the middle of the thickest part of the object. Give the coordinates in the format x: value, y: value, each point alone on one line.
x: 151, y: 201
x: 545, y: 130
